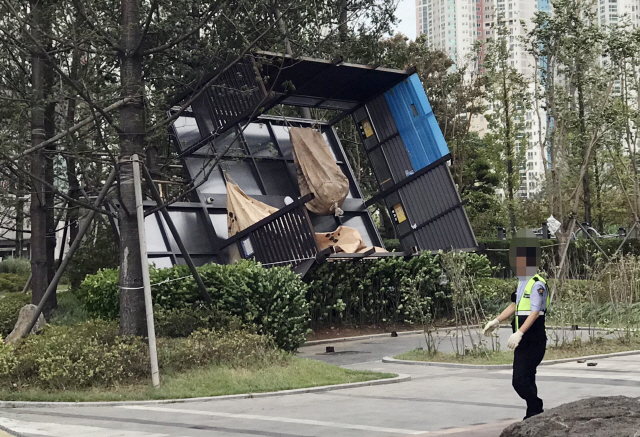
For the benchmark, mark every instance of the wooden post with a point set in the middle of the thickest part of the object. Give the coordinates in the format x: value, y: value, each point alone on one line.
x: 146, y: 281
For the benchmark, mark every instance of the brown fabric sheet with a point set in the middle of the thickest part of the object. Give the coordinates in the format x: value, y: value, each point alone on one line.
x: 242, y: 210
x: 318, y: 172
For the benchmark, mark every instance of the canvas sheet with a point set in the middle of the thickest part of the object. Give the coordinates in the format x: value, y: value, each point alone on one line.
x: 318, y: 172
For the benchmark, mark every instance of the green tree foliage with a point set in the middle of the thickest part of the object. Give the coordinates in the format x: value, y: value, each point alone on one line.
x: 510, y: 99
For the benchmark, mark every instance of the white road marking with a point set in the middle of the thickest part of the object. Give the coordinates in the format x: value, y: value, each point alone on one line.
x: 274, y: 419
x: 66, y: 430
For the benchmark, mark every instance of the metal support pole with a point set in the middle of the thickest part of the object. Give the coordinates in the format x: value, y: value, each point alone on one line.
x: 584, y: 231
x: 53, y: 285
x: 176, y: 236
x: 626, y: 237
x: 28, y: 284
x: 146, y: 281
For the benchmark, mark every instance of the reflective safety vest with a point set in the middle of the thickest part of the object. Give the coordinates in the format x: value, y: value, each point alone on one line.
x: 523, y: 307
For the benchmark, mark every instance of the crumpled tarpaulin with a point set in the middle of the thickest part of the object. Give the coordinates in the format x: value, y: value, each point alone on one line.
x: 318, y: 172
x: 242, y: 210
x: 344, y: 239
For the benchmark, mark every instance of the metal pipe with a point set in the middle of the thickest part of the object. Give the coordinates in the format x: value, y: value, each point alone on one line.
x: 146, y: 281
x: 53, y: 285
x: 176, y: 236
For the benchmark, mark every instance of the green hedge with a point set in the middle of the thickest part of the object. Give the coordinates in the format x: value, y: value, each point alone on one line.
x: 583, y: 256
x: 12, y: 282
x: 385, y: 290
x: 271, y: 299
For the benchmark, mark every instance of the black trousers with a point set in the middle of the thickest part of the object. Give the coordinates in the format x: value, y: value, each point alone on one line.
x: 526, y: 358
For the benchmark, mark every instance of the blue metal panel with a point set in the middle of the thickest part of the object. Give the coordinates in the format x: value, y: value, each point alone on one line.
x: 416, y: 123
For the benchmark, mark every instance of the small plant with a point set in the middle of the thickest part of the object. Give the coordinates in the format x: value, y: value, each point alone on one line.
x: 17, y: 266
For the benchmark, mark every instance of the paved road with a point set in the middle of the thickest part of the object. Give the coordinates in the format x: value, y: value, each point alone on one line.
x: 375, y: 348
x: 440, y: 401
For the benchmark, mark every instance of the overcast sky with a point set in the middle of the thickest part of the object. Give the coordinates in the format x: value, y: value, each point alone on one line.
x: 406, y: 12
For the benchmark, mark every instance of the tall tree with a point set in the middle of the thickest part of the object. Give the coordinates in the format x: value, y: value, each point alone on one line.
x: 508, y: 93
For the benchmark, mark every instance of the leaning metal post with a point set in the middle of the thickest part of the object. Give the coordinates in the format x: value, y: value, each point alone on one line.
x: 84, y: 226
x: 146, y: 281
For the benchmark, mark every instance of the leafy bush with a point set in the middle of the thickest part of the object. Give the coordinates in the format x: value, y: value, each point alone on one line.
x: 392, y: 245
x: 99, y: 294
x: 10, y: 305
x: 495, y: 294
x: 91, y: 354
x: 583, y: 256
x: 66, y: 357
x: 394, y: 290
x: 204, y: 347
x: 181, y: 322
x: 271, y: 299
x: 12, y: 282
x: 18, y: 266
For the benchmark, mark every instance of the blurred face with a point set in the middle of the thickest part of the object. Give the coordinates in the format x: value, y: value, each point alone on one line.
x: 524, y: 254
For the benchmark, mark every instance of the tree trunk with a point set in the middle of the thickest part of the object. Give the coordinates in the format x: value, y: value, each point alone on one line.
x: 38, y: 208
x: 596, y: 174
x: 387, y: 224
x: 132, y: 125
x: 509, y: 151
x: 586, y: 189
x: 73, y: 210
x: 50, y: 128
x: 20, y: 219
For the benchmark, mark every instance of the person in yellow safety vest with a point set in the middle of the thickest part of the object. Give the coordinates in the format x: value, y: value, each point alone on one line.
x: 530, y: 303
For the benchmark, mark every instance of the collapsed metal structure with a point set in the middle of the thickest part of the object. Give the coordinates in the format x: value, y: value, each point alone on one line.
x: 229, y: 125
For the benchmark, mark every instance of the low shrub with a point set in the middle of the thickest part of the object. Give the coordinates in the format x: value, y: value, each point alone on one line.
x: 494, y: 293
x: 181, y: 322
x: 10, y: 305
x: 63, y: 357
x: 91, y: 354
x: 392, y: 245
x: 236, y: 348
x: 271, y: 299
x: 583, y: 256
x: 18, y: 266
x: 395, y: 290
x: 12, y: 282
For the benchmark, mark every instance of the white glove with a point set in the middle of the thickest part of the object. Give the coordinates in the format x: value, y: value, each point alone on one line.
x: 514, y: 340
x: 490, y: 327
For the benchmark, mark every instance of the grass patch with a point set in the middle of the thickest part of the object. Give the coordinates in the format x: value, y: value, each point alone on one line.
x: 291, y: 373
x: 70, y: 310
x: 574, y: 349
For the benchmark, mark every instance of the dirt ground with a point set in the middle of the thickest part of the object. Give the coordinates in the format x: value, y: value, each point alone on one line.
x: 616, y: 416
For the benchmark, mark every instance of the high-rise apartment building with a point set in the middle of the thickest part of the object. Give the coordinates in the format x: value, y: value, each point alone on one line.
x: 611, y: 12
x: 454, y: 26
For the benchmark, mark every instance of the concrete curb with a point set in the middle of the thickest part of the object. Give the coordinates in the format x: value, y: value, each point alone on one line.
x: 388, y: 334
x: 321, y: 389
x: 359, y: 337
x: 8, y: 431
x: 390, y: 360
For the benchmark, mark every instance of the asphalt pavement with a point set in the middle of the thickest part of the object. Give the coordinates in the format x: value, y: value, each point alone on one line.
x: 437, y: 401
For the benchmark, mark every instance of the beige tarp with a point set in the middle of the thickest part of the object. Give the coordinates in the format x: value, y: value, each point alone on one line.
x: 242, y: 210
x: 318, y: 172
x: 344, y: 239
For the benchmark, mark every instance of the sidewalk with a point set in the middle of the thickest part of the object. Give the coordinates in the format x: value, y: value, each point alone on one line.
x: 487, y: 430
